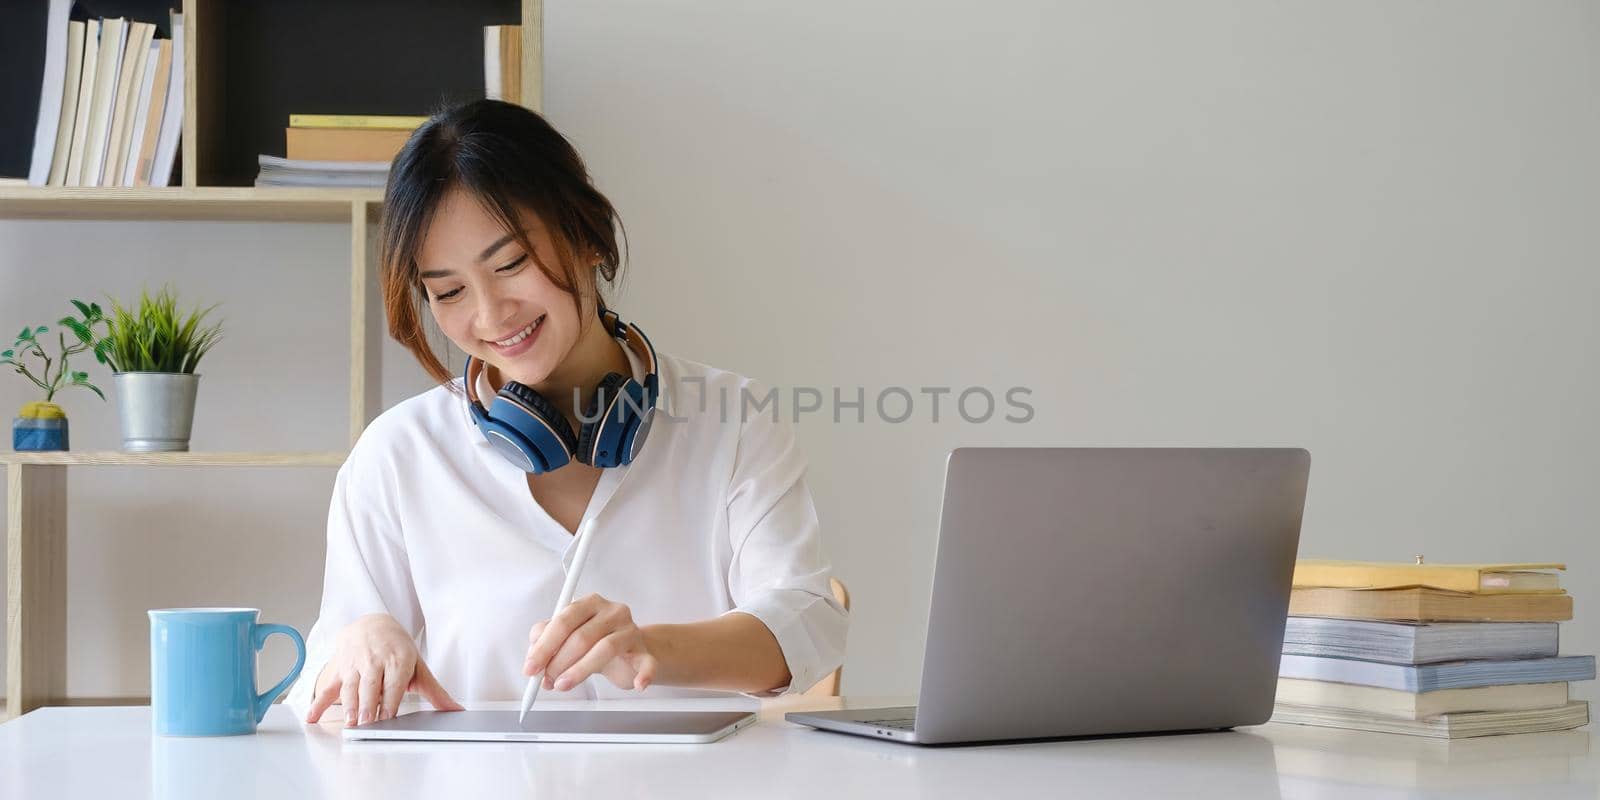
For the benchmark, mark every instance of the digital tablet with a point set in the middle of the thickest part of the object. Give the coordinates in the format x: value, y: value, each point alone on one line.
x: 657, y: 727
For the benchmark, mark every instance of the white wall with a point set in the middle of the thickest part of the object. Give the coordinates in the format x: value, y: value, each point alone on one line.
x: 1365, y: 228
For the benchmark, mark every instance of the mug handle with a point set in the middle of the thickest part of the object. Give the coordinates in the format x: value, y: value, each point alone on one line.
x: 259, y: 635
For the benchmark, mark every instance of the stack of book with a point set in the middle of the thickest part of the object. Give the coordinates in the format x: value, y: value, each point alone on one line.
x: 355, y: 150
x: 111, y: 102
x: 1442, y: 650
x: 337, y: 150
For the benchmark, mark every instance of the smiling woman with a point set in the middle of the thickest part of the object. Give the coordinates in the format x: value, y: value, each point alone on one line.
x: 479, y: 183
x: 451, y: 521
x: 495, y: 302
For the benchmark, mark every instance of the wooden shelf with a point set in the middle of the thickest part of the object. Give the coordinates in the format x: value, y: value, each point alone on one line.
x: 272, y: 204
x: 224, y: 129
x: 116, y: 458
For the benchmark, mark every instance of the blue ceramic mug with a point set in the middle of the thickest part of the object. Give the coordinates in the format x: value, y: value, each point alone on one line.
x: 203, y: 670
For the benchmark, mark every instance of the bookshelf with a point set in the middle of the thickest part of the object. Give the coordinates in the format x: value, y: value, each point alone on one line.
x: 113, y: 458
x: 238, y: 203
x: 218, y: 126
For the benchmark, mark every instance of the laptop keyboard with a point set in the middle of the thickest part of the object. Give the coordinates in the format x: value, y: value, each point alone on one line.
x: 901, y: 719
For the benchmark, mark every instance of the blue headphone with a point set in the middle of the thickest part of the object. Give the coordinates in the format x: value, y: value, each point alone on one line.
x: 533, y: 434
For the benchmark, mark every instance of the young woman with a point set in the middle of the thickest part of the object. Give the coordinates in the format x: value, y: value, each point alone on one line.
x: 454, y: 516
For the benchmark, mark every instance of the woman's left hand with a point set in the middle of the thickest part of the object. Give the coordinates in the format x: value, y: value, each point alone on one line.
x: 591, y: 635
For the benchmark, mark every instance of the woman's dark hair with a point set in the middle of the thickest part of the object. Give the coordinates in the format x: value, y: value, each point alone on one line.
x: 511, y: 160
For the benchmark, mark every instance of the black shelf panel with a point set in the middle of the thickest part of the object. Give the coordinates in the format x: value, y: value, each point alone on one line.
x: 335, y: 57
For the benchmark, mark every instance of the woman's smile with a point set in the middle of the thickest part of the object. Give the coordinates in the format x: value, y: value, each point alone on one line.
x: 519, y: 342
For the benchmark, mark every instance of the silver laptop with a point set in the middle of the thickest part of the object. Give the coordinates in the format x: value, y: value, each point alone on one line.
x: 1096, y: 591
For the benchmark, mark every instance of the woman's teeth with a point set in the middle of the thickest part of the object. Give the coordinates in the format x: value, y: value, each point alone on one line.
x: 523, y: 334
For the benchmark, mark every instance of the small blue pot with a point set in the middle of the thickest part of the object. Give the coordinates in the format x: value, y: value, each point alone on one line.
x: 38, y: 434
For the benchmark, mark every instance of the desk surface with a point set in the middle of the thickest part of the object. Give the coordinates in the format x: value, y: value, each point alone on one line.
x: 81, y: 753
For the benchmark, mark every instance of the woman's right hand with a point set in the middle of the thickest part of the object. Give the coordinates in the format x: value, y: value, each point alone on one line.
x: 374, y: 664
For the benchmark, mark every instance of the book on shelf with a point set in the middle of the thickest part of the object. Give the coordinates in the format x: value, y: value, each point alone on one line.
x: 68, y: 112
x: 80, y: 124
x: 1444, y: 675
x: 383, y: 121
x: 130, y: 77
x: 147, y: 125
x: 502, y: 62
x: 1476, y: 578
x: 1454, y: 725
x: 52, y: 89
x: 352, y: 150
x: 1428, y: 605
x: 277, y: 171
x: 111, y: 100
x: 172, y: 111
x: 1418, y: 643
x: 343, y: 144
x: 138, y: 110
x: 113, y: 37
x: 1416, y: 705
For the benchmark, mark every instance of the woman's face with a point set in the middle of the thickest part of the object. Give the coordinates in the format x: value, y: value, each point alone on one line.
x: 490, y: 297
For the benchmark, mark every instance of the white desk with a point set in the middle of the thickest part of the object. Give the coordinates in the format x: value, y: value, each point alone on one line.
x: 83, y: 753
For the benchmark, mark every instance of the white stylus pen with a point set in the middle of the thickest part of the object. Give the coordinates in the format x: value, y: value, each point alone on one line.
x: 585, y: 534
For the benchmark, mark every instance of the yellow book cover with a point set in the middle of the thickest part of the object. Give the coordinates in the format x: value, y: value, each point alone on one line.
x: 396, y: 123
x: 1473, y: 578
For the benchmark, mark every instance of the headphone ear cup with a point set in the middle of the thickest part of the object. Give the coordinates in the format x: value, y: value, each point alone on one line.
x: 610, y: 387
x: 551, y: 415
x: 515, y: 446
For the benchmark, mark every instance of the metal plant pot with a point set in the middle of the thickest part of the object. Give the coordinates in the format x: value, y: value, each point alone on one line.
x: 157, y: 410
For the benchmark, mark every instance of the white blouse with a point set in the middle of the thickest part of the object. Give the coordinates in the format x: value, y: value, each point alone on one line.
x: 429, y: 524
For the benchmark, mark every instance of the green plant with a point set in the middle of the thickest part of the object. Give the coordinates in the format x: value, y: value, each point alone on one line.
x: 156, y: 337
x: 27, y: 344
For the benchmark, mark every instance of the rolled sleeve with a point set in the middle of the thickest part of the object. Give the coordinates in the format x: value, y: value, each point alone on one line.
x: 778, y: 572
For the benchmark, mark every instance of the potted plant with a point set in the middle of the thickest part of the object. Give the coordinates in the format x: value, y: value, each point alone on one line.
x: 42, y: 425
x: 153, y: 351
